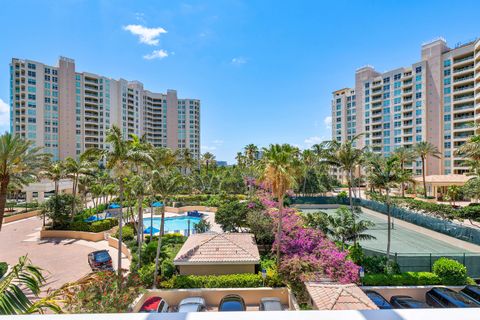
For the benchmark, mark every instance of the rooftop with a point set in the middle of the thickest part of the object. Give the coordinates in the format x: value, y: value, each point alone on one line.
x: 448, y: 178
x: 218, y: 248
x: 334, y: 296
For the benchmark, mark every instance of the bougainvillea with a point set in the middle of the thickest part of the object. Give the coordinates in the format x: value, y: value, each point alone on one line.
x: 307, y: 252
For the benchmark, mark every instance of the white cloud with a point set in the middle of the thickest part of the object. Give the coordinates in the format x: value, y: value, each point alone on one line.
x: 156, y: 54
x: 328, y: 122
x: 217, y: 142
x: 4, y: 113
x: 146, y: 35
x: 313, y: 140
x: 239, y: 60
x: 208, y: 148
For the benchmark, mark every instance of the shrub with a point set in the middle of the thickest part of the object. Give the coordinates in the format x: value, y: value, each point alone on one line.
x: 3, y: 268
x: 103, y: 225
x: 145, y: 273
x: 127, y: 233
x: 378, y: 264
x: 232, y: 216
x: 80, y: 226
x: 222, y: 281
x: 202, y: 226
x: 402, y: 279
x: 451, y: 271
x: 59, y: 210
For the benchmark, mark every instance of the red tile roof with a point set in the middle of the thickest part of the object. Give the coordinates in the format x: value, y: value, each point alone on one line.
x: 218, y: 248
x: 333, y: 296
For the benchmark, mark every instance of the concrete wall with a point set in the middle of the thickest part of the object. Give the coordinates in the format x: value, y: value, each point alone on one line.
x: 217, y: 269
x: 21, y: 216
x: 69, y: 234
x: 113, y: 242
x: 213, y: 297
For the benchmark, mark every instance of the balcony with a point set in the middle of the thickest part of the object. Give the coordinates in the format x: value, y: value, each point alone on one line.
x: 459, y: 61
x: 464, y: 97
x: 460, y: 79
x: 463, y: 88
x: 460, y: 70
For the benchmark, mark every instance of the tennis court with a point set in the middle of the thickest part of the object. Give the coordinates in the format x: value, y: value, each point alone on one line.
x: 404, y: 240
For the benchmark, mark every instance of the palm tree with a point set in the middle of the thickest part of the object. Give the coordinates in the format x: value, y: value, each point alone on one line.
x: 309, y: 160
x: 55, y: 173
x: 423, y: 150
x: 281, y: 169
x: 20, y: 163
x: 404, y: 155
x: 251, y: 152
x: 384, y: 173
x: 165, y: 183
x: 208, y: 159
x: 75, y: 169
x: 346, y: 156
x: 470, y: 149
x: 25, y: 276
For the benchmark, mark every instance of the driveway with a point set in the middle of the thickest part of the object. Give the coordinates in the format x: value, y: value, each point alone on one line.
x: 64, y: 260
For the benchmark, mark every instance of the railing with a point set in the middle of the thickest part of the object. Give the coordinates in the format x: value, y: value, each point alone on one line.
x: 462, y: 79
x: 463, y: 69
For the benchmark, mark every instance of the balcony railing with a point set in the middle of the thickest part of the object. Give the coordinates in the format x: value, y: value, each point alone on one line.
x: 463, y: 59
x: 463, y: 78
x: 463, y: 69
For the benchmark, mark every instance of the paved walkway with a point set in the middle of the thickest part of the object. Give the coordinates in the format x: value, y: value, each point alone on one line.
x: 65, y: 260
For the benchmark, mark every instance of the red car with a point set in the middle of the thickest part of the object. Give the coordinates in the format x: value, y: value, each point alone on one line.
x: 154, y: 305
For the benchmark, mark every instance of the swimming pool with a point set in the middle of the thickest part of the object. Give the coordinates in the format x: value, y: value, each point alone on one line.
x: 174, y: 224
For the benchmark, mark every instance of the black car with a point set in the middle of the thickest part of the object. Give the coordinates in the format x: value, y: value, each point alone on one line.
x: 440, y: 297
x: 378, y: 299
x: 100, y: 260
x: 232, y: 302
x: 407, y: 302
x: 472, y: 291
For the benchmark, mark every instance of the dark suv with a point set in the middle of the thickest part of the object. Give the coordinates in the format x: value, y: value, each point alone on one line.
x: 440, y: 297
x: 100, y: 261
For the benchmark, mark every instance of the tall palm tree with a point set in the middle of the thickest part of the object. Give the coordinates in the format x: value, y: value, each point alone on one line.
x: 23, y: 280
x: 346, y: 156
x: 208, y: 159
x: 74, y: 169
x: 384, y: 173
x: 309, y: 161
x: 404, y: 155
x: 251, y: 152
x: 20, y: 162
x: 281, y: 168
x: 165, y: 183
x: 423, y: 150
x: 55, y: 173
x: 470, y: 149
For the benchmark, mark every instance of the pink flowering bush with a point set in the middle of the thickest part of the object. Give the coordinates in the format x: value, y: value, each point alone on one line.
x: 307, y: 252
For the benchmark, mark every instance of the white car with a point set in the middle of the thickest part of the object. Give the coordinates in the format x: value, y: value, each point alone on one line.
x: 192, y: 304
x: 270, y: 304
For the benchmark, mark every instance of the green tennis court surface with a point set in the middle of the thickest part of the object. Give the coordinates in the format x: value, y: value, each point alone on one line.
x: 404, y: 240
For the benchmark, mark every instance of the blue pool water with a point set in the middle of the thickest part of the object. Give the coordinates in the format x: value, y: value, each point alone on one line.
x: 174, y: 224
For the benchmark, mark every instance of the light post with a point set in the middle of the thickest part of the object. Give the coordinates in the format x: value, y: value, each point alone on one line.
x: 361, y: 274
x: 264, y: 276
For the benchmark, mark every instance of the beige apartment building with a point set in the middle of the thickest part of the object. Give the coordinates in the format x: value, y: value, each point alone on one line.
x: 67, y: 112
x: 436, y: 99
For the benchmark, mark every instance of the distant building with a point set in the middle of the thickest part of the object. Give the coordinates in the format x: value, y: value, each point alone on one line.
x: 436, y: 99
x: 221, y: 163
x: 67, y: 112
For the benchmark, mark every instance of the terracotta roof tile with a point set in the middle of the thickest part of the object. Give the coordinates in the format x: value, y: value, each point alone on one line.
x: 328, y: 296
x: 218, y: 248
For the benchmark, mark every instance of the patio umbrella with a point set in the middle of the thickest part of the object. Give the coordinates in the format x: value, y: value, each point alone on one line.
x: 114, y: 206
x: 151, y: 230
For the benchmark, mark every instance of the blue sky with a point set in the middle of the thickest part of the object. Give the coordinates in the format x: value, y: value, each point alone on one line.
x: 264, y: 70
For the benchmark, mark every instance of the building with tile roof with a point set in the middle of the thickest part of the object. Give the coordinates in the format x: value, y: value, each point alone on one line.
x: 335, y: 296
x: 218, y: 253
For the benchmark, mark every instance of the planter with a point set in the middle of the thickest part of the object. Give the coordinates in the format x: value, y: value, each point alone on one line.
x: 21, y: 216
x: 70, y: 234
x: 190, y: 208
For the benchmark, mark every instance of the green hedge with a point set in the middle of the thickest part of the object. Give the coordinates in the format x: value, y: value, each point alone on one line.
x: 3, y: 268
x: 451, y: 271
x: 402, y: 279
x: 222, y: 281
x: 97, y: 226
x: 128, y: 233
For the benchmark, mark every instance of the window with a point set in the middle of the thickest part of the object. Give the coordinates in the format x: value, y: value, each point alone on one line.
x: 447, y: 81
x: 447, y: 117
x: 418, y: 69
x: 418, y: 87
x: 397, y: 108
x: 418, y: 95
x: 418, y: 78
x: 447, y: 72
x: 386, y: 80
x: 446, y: 63
x: 397, y: 116
x: 447, y: 90
x: 397, y: 76
x: 397, y: 101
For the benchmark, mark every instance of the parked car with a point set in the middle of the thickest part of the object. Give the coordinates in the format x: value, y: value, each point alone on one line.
x: 440, y: 297
x: 192, y: 304
x: 100, y: 260
x: 407, y: 302
x: 232, y: 302
x: 270, y: 304
x: 378, y: 299
x: 154, y: 305
x: 472, y: 291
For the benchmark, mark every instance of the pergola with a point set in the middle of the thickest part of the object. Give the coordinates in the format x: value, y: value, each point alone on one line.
x: 437, y: 184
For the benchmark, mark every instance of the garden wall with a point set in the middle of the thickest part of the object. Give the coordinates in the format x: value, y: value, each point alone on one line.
x: 113, y: 242
x: 69, y: 234
x: 20, y: 216
x: 190, y: 208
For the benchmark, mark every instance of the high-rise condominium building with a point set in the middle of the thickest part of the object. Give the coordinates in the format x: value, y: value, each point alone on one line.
x: 67, y: 112
x: 436, y: 99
